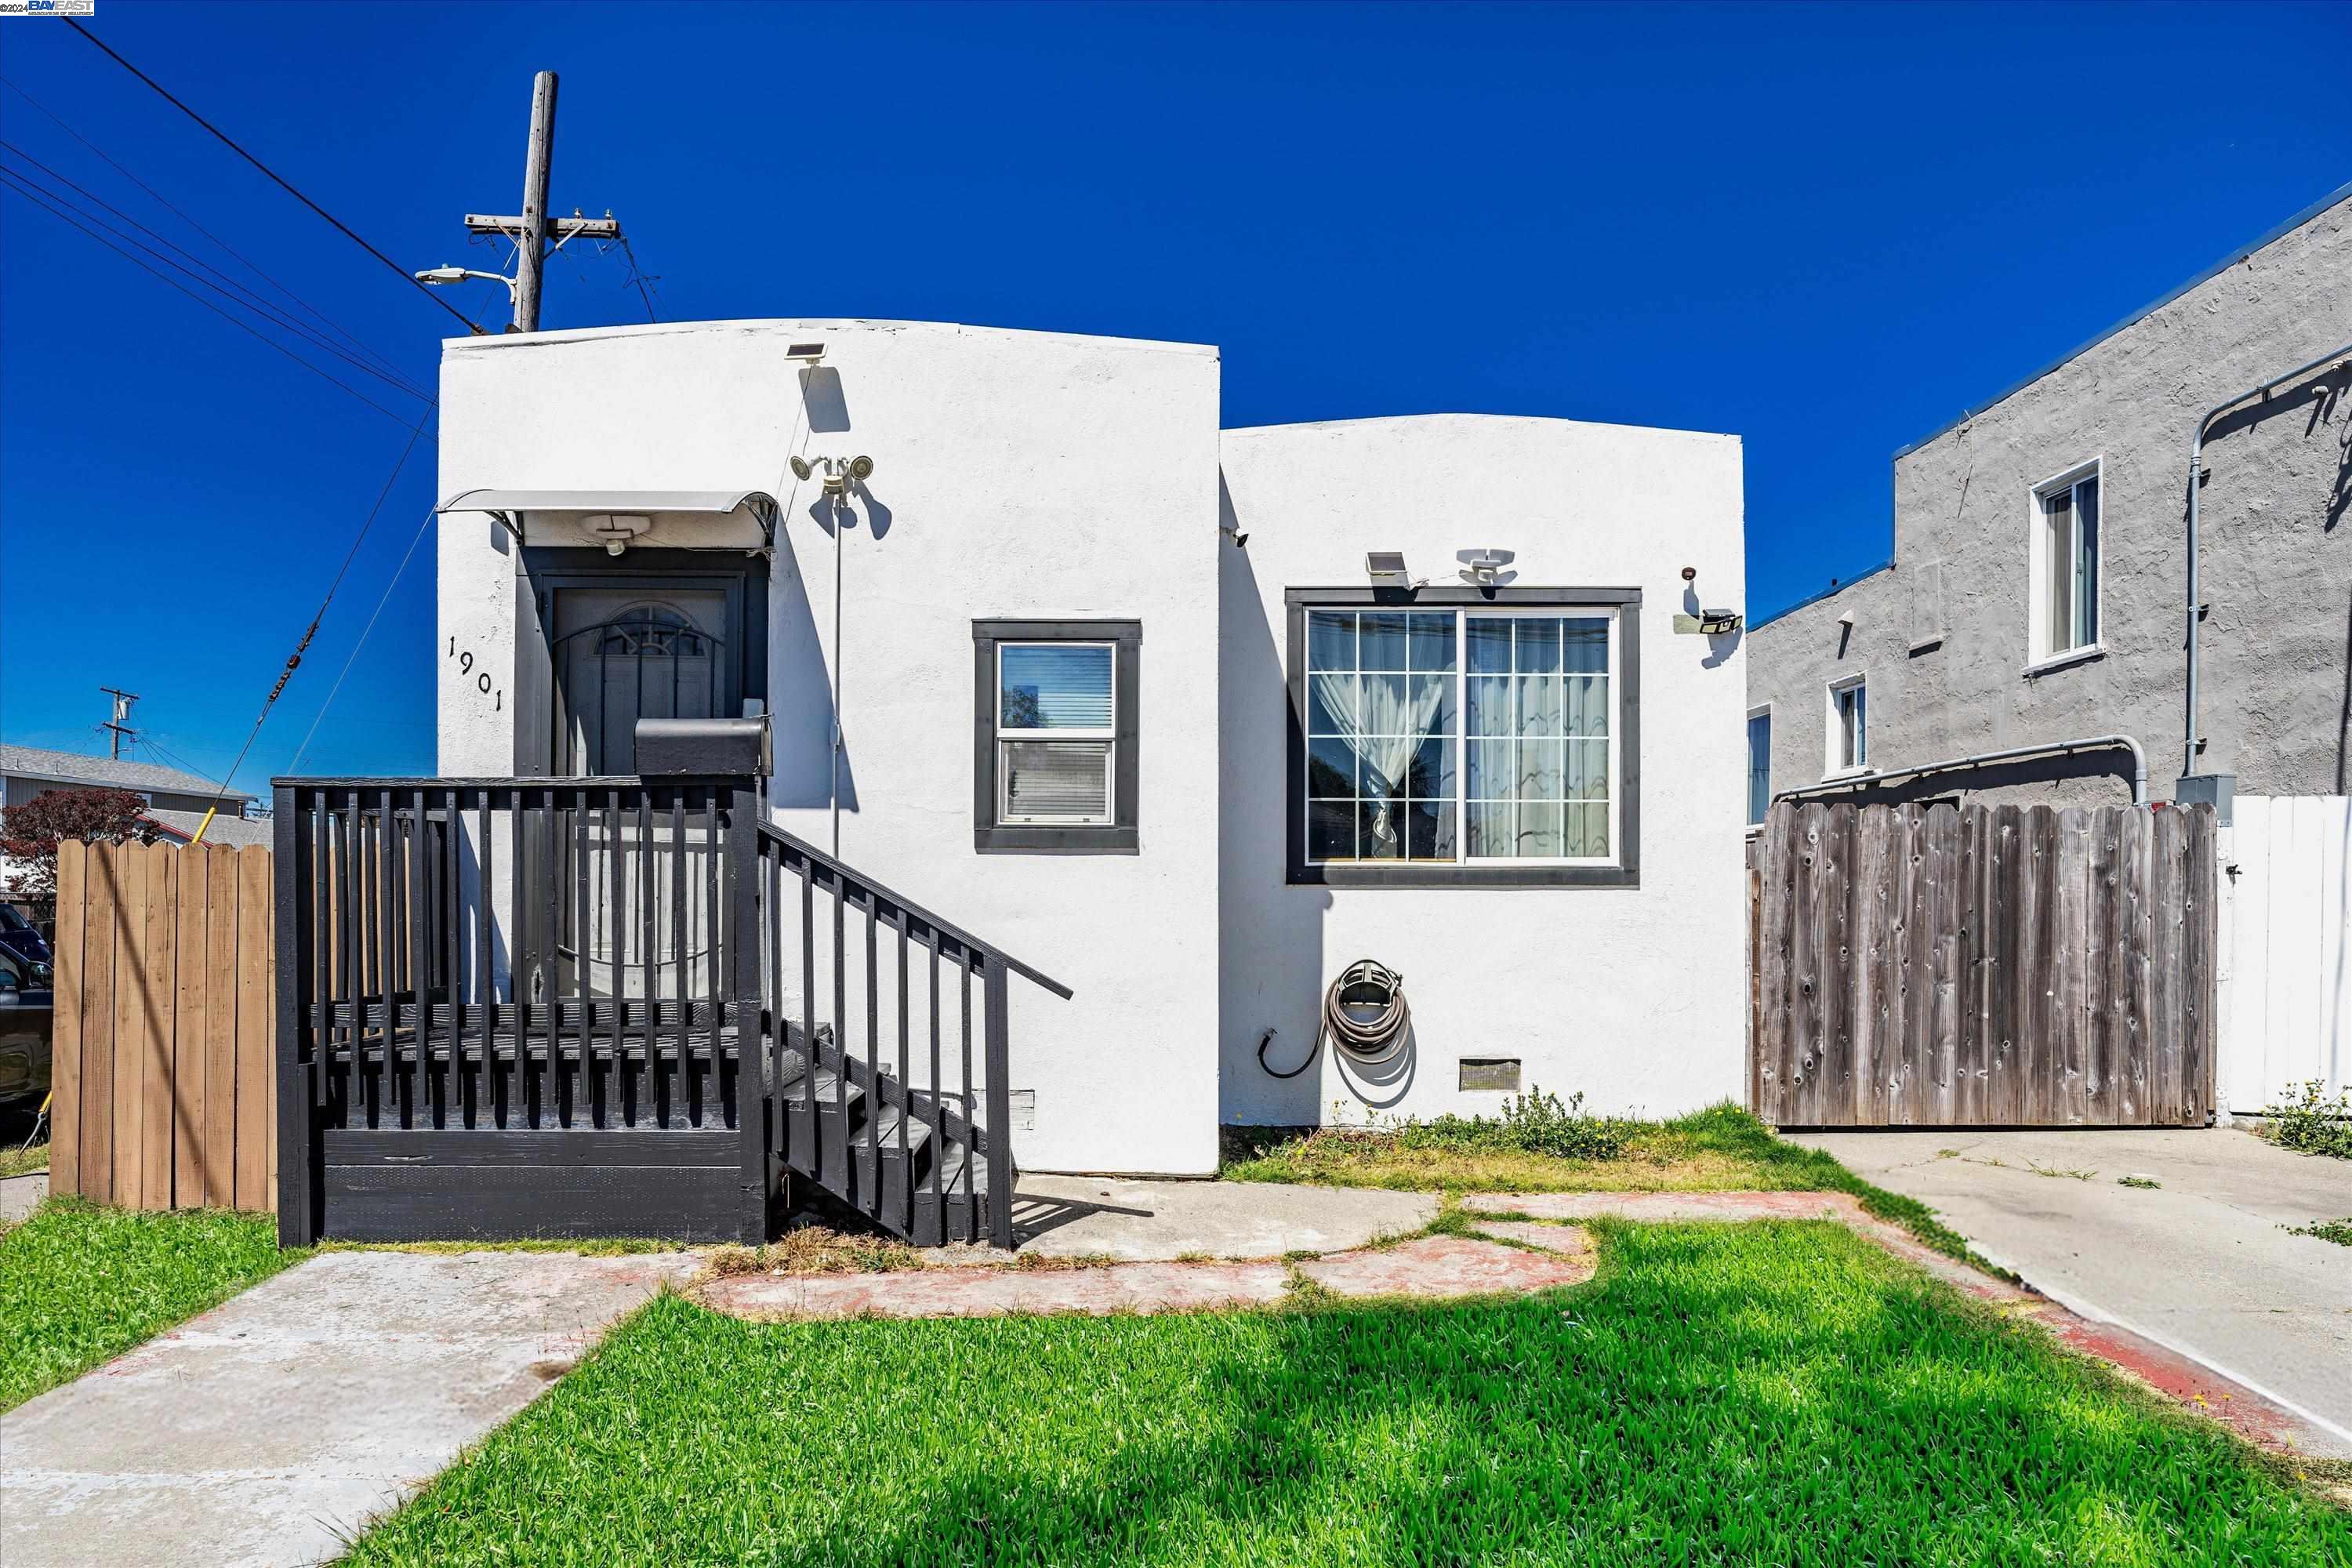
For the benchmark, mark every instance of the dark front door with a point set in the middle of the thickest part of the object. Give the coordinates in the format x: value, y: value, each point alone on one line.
x: 623, y: 654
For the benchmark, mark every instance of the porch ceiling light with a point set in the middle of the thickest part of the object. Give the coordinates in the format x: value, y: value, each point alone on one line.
x: 1386, y: 568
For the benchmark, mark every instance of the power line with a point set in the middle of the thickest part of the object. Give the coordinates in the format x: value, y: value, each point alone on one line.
x: 11, y: 181
x: 282, y: 183
x: 353, y: 657
x: 294, y: 660
x: 165, y: 203
x: 244, y: 297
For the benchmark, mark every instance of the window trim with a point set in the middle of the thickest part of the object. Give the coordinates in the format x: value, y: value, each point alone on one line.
x: 1761, y: 710
x: 2040, y: 656
x: 1120, y: 835
x: 1831, y: 767
x: 1626, y: 738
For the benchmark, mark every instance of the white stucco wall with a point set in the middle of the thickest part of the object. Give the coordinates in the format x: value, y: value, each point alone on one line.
x: 1018, y: 475
x: 1633, y: 996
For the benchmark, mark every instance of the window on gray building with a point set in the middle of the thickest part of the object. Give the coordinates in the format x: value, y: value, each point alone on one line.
x: 2066, y: 564
x: 1849, y: 727
x: 1760, y: 764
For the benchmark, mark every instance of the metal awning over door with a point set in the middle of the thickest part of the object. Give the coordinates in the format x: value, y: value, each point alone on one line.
x: 745, y: 519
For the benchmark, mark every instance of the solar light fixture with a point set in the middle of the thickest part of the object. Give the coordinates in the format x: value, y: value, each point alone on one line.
x: 807, y: 353
x: 1386, y: 568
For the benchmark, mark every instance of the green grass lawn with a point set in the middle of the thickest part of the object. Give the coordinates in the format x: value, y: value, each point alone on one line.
x: 80, y: 1285
x: 1720, y: 1149
x: 20, y: 1160
x: 1771, y: 1393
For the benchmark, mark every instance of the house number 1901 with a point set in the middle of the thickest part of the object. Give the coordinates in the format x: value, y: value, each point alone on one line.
x: 481, y: 679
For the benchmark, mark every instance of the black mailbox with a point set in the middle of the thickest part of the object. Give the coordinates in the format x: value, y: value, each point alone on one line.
x: 702, y: 748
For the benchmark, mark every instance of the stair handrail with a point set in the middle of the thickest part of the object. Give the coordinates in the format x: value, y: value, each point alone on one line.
x: 850, y: 877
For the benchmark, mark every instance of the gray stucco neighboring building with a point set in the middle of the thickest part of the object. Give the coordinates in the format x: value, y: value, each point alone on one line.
x: 2037, y: 592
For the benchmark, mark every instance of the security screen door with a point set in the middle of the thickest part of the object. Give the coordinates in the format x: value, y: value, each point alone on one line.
x: 626, y: 653
x: 622, y: 654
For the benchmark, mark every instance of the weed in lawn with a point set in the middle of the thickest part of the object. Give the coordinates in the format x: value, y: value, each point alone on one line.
x: 1728, y: 1394
x: 2311, y: 1123
x: 2150, y: 1183
x: 813, y: 1249
x: 80, y: 1284
x: 1041, y: 1263
x: 2338, y: 1231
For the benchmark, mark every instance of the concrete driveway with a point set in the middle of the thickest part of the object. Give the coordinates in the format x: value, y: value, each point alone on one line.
x: 2200, y: 1263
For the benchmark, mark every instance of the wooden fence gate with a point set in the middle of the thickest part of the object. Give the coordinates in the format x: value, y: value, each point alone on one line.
x: 1994, y: 966
x: 160, y: 1077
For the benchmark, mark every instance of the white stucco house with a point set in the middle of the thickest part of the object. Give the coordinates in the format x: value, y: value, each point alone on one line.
x: 1115, y: 687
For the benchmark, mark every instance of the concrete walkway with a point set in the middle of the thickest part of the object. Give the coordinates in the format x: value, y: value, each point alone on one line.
x: 267, y: 1431
x: 20, y: 1195
x: 2199, y: 1263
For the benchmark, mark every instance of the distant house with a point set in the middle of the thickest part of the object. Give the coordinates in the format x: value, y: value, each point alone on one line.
x: 176, y: 801
x: 2056, y: 580
x: 2041, y: 579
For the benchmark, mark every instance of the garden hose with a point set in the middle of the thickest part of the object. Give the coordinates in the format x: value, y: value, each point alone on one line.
x: 1370, y: 1040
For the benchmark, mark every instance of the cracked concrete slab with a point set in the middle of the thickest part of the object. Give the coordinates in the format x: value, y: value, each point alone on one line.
x: 1440, y: 1266
x: 1563, y: 1238
x: 265, y: 1433
x: 2202, y: 1263
x: 1431, y: 1266
x: 1109, y: 1216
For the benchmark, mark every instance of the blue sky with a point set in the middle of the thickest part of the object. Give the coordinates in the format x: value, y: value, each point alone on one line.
x: 1828, y: 229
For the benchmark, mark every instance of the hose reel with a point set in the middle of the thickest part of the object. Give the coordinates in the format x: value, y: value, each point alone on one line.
x: 1369, y: 1038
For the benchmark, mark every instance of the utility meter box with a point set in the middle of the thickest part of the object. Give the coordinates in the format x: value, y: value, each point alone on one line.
x: 702, y: 748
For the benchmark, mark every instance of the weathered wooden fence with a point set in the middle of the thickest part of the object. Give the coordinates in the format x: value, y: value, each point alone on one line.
x: 1967, y: 965
x: 162, y: 1077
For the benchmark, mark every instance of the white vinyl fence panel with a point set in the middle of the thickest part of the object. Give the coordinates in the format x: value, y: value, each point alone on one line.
x: 2287, y: 1017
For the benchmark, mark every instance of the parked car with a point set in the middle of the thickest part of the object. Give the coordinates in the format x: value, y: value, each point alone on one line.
x: 28, y: 1025
x: 20, y: 937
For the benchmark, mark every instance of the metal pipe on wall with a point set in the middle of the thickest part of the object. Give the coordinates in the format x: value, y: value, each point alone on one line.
x: 1981, y: 759
x: 2338, y: 357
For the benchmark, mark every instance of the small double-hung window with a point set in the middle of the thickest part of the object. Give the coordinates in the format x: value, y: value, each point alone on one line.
x: 2066, y: 568
x: 1464, y: 738
x: 1055, y: 735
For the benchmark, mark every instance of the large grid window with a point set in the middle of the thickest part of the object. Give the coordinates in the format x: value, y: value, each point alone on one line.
x: 1055, y: 736
x: 1465, y: 737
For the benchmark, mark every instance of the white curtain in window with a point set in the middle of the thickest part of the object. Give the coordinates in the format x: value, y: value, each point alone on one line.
x: 1383, y: 719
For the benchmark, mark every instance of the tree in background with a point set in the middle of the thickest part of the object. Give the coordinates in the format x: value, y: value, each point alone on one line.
x: 29, y: 835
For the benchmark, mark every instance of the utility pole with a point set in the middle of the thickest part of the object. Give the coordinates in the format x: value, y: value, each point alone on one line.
x: 530, y: 231
x: 119, y: 730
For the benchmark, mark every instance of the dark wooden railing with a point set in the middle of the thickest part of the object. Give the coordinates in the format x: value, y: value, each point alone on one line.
x: 953, y: 1165
x: 511, y: 1006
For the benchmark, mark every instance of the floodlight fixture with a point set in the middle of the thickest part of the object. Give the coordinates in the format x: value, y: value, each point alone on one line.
x: 839, y: 473
x: 1386, y: 568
